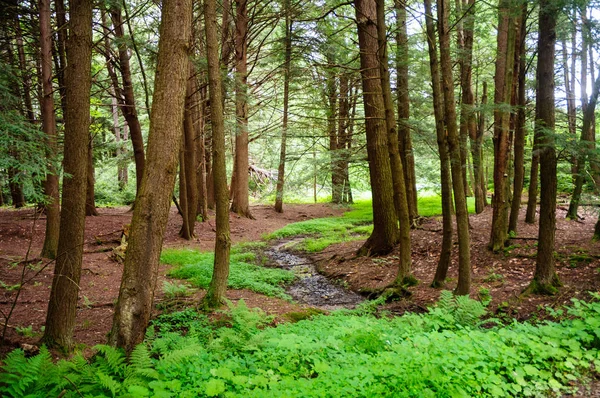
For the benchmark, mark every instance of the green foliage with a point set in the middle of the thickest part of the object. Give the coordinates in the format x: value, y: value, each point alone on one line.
x: 197, y: 267
x: 356, y: 224
x: 443, y: 353
x: 173, y: 290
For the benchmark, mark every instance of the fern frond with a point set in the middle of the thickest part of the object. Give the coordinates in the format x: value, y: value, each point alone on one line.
x: 111, y: 361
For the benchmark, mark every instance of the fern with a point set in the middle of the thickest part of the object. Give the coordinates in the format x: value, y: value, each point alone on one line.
x: 108, y: 383
x: 110, y: 360
x: 24, y: 376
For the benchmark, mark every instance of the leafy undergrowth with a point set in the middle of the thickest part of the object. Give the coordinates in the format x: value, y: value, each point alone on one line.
x: 356, y: 224
x: 443, y: 353
x: 197, y: 267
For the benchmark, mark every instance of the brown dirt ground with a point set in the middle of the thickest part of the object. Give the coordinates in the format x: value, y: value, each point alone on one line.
x: 21, y: 232
x: 505, y: 275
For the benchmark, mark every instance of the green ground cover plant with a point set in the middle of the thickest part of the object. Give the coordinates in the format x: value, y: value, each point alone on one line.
x: 355, y: 224
x: 446, y: 352
x: 197, y: 267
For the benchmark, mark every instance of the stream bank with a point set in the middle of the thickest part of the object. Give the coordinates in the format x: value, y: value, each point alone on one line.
x: 310, y: 287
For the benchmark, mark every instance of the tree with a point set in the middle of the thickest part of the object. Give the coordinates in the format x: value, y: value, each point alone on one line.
x: 385, y: 227
x: 404, y: 135
x: 239, y: 189
x: 62, y: 306
x: 460, y: 200
x: 50, y: 247
x: 502, y: 98
x: 188, y: 185
x: 545, y: 280
x: 286, y: 99
x: 218, y: 283
x: 468, y: 125
x: 127, y: 96
x: 398, y: 177
x: 520, y: 132
x: 445, y: 177
x: 140, y: 269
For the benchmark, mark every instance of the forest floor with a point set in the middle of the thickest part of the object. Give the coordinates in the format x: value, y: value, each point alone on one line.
x: 500, y: 277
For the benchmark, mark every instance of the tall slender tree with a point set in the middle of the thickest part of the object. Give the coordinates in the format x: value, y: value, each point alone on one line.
x: 385, y: 227
x: 140, y: 269
x: 460, y: 200
x: 240, y: 204
x: 286, y: 100
x: 218, y: 284
x: 445, y: 177
x: 62, y: 306
x: 545, y: 279
x: 502, y: 98
x: 404, y: 133
x: 50, y: 247
x: 400, y: 198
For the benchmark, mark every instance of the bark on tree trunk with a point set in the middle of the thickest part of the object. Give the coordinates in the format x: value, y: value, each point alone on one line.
x: 286, y: 96
x: 520, y: 132
x: 460, y: 202
x: 189, y: 161
x: 62, y: 306
x: 90, y: 201
x: 200, y: 100
x: 404, y: 135
x: 502, y: 98
x: 150, y: 214
x: 446, y: 179
x: 545, y: 280
x: 50, y: 247
x: 404, y: 276
x: 218, y: 283
x: 240, y: 203
x: 129, y: 108
x: 477, y: 155
x: 385, y: 227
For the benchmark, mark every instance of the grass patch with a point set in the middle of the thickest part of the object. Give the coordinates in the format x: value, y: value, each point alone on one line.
x: 197, y: 267
x: 356, y: 224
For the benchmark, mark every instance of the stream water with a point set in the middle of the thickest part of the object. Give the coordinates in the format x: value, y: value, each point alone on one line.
x: 311, y: 287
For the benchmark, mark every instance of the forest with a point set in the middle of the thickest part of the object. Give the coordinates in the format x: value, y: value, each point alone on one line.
x: 299, y: 198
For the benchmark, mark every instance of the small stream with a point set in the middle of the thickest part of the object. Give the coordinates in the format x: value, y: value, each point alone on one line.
x: 311, y: 287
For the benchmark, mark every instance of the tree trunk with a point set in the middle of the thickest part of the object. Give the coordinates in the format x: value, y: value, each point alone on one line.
x: 286, y: 98
x: 188, y: 162
x: 200, y: 110
x: 385, y: 227
x: 502, y: 97
x: 545, y: 279
x: 332, y: 133
x: 588, y: 146
x: 218, y: 283
x: 446, y: 179
x: 460, y: 200
x: 404, y: 135
x: 404, y: 276
x: 16, y: 188
x: 240, y: 204
x: 477, y: 155
x: 62, y: 306
x: 468, y: 124
x: 90, y: 201
x: 586, y: 140
x: 50, y: 247
x: 520, y: 132
x: 150, y: 214
x: 129, y: 108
